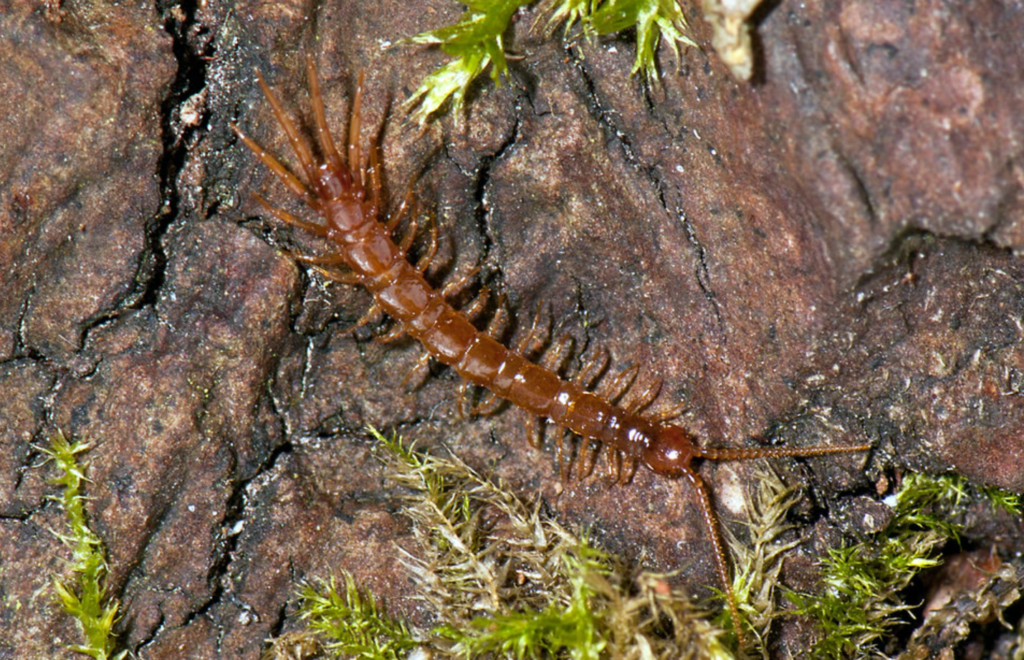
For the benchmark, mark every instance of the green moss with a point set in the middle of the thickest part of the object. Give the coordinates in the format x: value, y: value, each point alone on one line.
x: 352, y: 624
x: 84, y: 595
x: 864, y: 581
x: 503, y: 580
x: 476, y: 42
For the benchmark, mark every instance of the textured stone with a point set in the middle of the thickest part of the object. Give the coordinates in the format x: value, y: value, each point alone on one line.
x: 824, y: 255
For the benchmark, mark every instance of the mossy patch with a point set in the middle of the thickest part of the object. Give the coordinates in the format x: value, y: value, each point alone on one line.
x: 503, y: 579
x: 83, y: 595
x: 476, y: 42
x: 865, y: 582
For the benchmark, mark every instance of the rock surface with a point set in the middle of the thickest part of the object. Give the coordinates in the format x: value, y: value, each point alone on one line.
x: 824, y: 255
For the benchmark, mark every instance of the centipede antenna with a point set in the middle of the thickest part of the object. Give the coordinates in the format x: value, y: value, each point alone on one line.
x: 289, y: 219
x: 748, y: 453
x: 299, y: 146
x: 280, y: 171
x: 323, y: 132
x: 355, y: 157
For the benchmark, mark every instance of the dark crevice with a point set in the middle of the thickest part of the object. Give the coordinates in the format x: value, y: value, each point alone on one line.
x: 22, y: 349
x: 180, y: 23
x: 191, y: 52
x: 605, y: 119
x: 235, y: 511
x: 148, y: 639
x: 701, y: 272
x: 482, y: 181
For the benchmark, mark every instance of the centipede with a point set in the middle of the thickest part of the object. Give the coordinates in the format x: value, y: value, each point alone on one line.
x: 347, y: 195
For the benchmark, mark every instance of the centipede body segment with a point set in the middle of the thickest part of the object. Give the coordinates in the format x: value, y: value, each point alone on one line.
x: 347, y: 195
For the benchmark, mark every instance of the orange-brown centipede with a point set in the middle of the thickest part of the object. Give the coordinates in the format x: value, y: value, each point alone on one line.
x: 347, y: 194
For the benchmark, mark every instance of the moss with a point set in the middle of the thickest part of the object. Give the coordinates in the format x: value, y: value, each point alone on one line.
x: 352, y: 624
x: 758, y: 560
x: 502, y: 579
x: 83, y: 595
x: 476, y: 42
x: 864, y: 582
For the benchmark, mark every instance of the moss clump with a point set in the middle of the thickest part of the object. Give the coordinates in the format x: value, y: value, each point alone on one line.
x: 503, y: 580
x: 758, y: 561
x: 352, y: 624
x: 476, y: 42
x: 864, y: 582
x: 83, y: 595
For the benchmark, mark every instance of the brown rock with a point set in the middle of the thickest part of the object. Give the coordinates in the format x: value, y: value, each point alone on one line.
x: 822, y: 256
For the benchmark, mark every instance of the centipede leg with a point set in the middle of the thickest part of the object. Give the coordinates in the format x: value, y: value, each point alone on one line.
x: 350, y: 279
x: 478, y: 304
x: 622, y: 383
x: 532, y: 438
x: 564, y: 466
x: 372, y: 315
x: 289, y: 219
x: 408, y: 203
x: 454, y: 287
x: 593, y: 451
x: 277, y: 169
x: 421, y: 364
x: 645, y: 398
x: 464, y: 408
x: 375, y: 183
x: 323, y: 133
x: 392, y: 335
x: 488, y: 405
x: 529, y: 342
x: 319, y: 260
x: 629, y: 471
x: 669, y: 414
x: 499, y: 322
x: 592, y: 370
x: 424, y: 261
x: 299, y: 146
x: 355, y: 157
x: 410, y: 236
x: 555, y: 358
x: 317, y: 263
x: 614, y: 469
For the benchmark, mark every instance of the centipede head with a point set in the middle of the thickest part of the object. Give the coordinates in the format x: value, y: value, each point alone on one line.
x: 670, y: 451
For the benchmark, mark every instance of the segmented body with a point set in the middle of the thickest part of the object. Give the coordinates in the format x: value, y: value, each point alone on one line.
x: 348, y: 198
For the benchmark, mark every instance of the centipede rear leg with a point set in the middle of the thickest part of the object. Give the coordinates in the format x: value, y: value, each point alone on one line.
x: 298, y: 144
